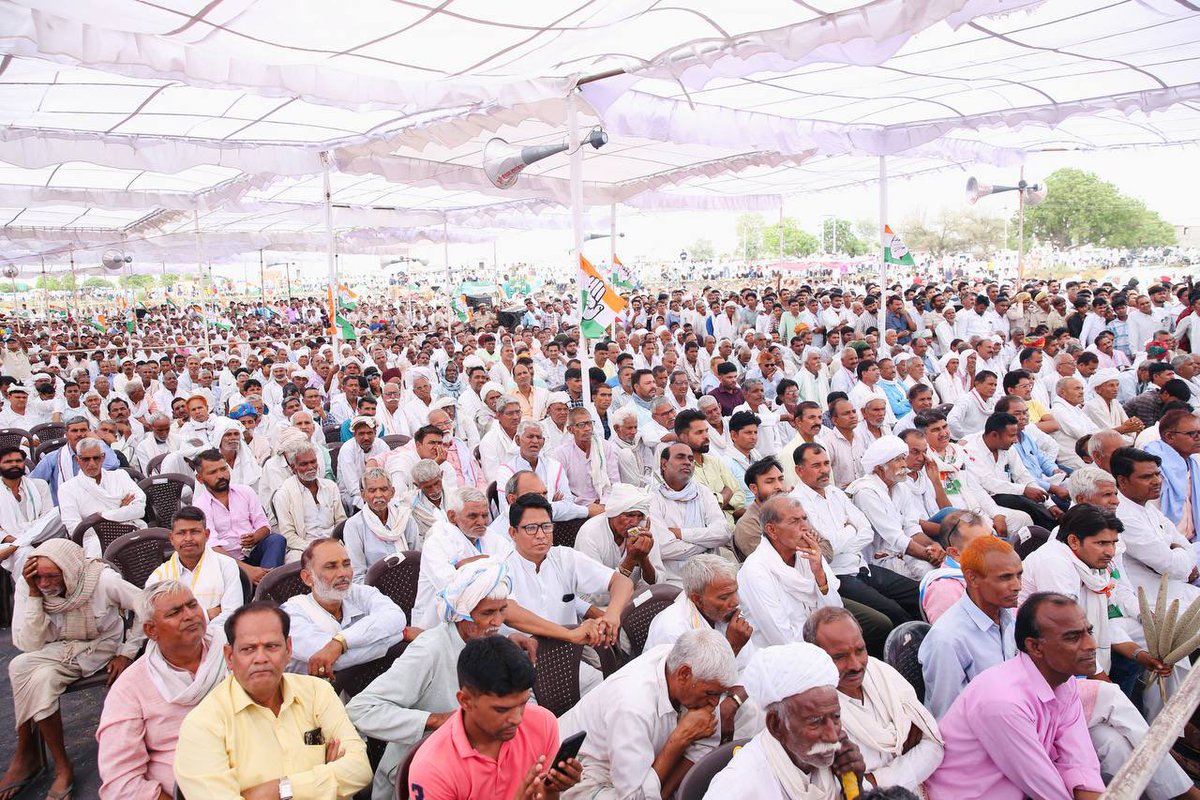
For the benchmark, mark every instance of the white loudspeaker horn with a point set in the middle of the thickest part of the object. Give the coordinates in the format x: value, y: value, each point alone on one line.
x: 115, y: 260
x: 977, y: 190
x: 503, y: 162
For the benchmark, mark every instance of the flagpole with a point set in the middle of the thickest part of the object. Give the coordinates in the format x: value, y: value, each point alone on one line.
x: 74, y: 287
x: 577, y: 224
x: 883, y: 220
x: 612, y: 251
x: 446, y: 252
x: 200, y: 274
x: 262, y: 281
x: 333, y: 323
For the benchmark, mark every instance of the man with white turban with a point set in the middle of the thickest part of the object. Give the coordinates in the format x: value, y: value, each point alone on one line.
x: 228, y: 436
x: 363, y: 450
x: 621, y: 538
x: 898, y: 738
x: 418, y: 693
x: 651, y: 720
x: 899, y: 546
x: 803, y: 752
x: 1102, y: 407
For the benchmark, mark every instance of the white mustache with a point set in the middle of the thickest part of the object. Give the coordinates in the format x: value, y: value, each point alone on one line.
x: 823, y: 748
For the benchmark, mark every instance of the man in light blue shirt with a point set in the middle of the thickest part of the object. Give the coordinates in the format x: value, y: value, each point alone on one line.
x: 976, y: 632
x: 1042, y: 468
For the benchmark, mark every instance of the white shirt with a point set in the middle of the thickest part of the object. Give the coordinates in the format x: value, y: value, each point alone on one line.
x: 370, y: 621
x: 969, y: 413
x: 844, y: 455
x: 777, y: 599
x: 1149, y: 554
x: 715, y: 532
x: 595, y: 540
x: 445, y: 546
x: 77, y: 500
x: 496, y: 448
x: 1002, y: 473
x: 840, y: 522
x: 750, y: 775
x: 217, y: 581
x: 682, y: 616
x: 553, y: 476
x: 555, y: 589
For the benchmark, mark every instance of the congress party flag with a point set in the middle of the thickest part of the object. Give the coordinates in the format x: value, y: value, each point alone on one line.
x: 461, y: 309
x: 622, y: 276
x: 347, y: 298
x: 601, y: 303
x: 894, y: 249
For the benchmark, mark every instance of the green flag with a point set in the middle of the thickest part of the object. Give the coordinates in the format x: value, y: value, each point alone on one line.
x: 894, y: 249
x: 347, y: 330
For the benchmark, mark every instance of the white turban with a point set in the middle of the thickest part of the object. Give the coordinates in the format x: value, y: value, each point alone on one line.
x: 445, y: 401
x: 370, y: 422
x: 883, y: 450
x: 785, y: 670
x: 1103, y: 376
x: 558, y: 397
x: 623, y: 498
x: 472, y: 583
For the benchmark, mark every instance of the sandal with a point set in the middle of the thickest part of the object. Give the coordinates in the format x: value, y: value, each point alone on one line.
x: 12, y: 790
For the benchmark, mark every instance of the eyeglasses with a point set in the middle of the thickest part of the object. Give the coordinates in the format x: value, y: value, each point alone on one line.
x: 1193, y: 434
x: 534, y: 528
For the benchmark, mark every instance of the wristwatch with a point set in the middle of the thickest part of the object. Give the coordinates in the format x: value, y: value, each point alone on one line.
x: 285, y: 788
x: 341, y: 639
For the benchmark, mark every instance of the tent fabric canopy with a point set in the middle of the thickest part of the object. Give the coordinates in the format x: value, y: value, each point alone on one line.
x: 124, y: 123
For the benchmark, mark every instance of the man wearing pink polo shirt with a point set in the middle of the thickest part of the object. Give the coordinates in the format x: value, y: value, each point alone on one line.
x: 236, y: 520
x: 495, y: 745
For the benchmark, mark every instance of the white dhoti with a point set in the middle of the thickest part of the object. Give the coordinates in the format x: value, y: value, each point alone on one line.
x: 1116, y: 727
x: 39, y: 678
x: 908, y: 566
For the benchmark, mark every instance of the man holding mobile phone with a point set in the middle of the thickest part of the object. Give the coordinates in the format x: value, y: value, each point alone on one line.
x: 496, y: 744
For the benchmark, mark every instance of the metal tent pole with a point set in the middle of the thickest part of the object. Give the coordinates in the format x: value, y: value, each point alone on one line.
x: 883, y: 220
x: 333, y: 325
x: 577, y: 225
x: 199, y: 274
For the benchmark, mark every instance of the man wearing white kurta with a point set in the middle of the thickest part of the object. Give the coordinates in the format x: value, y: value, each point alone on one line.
x: 465, y: 536
x: 499, y: 444
x: 27, y: 515
x: 385, y: 526
x: 214, y: 578
x: 781, y: 584
x: 307, y: 506
x: 533, y: 458
x: 898, y: 738
x: 418, y: 693
x: 340, y: 623
x: 353, y: 458
x: 654, y: 711
x: 1073, y: 420
x: 621, y: 539
x: 112, y: 494
x: 687, y: 510
x: 792, y: 758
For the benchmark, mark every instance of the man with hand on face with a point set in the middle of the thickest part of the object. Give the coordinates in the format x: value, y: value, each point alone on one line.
x: 263, y: 734
x: 27, y: 514
x: 496, y: 743
x: 364, y: 622
x: 212, y: 576
x: 803, y: 752
x: 622, y: 539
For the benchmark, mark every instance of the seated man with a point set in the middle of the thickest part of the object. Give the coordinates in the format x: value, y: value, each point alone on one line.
x: 531, y: 441
x: 496, y: 743
x: 95, y: 490
x: 463, y: 538
x: 27, y: 514
x: 307, y: 506
x: 366, y: 621
x: 782, y: 584
x: 419, y: 691
x: 428, y: 496
x: 764, y: 478
x: 687, y: 509
x: 139, y: 726
x: 235, y: 518
x: 803, y: 752
x: 213, y: 577
x: 160, y: 440
x: 998, y: 466
x: 363, y: 450
x: 621, y: 539
x: 1019, y: 729
x: 233, y: 738
x: 881, y: 713
x: 977, y: 631
x: 941, y: 587
x: 67, y: 624
x: 63, y: 464
x: 639, y: 744
x: 550, y: 582
x: 904, y: 549
x: 384, y: 526
x: 590, y: 461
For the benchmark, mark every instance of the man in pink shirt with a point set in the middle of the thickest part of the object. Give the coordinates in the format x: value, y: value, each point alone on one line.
x: 1019, y: 730
x: 496, y: 743
x: 236, y: 521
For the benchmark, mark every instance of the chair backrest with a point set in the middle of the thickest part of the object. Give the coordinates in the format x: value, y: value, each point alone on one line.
x: 641, y: 611
x: 136, y: 555
x: 155, y: 464
x: 281, y: 583
x: 47, y: 446
x: 695, y: 783
x: 333, y: 434
x: 247, y: 586
x: 402, y: 772
x: 334, y: 449
x: 163, y: 496
x: 394, y: 440
x: 566, y: 530
x: 106, y: 530
x: 48, y: 430
x: 13, y: 437
x: 556, y: 679
x: 493, y: 500
x: 338, y: 530
x: 134, y: 473
x: 397, y: 578
x: 352, y: 680
x: 1037, y: 537
x: 900, y: 650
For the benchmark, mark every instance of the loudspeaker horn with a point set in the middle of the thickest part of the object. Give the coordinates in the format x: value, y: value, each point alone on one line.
x: 503, y: 162
x: 115, y: 260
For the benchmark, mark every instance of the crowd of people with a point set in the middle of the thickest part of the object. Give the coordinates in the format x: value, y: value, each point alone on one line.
x: 999, y: 470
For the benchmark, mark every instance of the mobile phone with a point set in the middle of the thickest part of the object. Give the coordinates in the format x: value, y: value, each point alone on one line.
x: 569, y: 748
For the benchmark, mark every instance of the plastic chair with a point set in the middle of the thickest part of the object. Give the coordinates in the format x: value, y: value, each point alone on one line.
x: 47, y: 446
x: 900, y: 651
x: 556, y: 675
x: 333, y: 457
x: 281, y: 583
x: 695, y: 783
x: 134, y: 473
x: 1037, y: 537
x: 493, y: 500
x: 397, y: 578
x: 164, y: 493
x: 641, y: 611
x: 48, y: 430
x: 402, y: 773
x: 155, y: 464
x: 333, y: 434
x: 394, y: 440
x: 136, y: 555
x: 566, y: 530
x: 13, y: 437
x: 353, y: 680
x: 338, y: 530
x: 106, y: 530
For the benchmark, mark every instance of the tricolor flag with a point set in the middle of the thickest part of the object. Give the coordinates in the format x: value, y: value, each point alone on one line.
x: 347, y: 329
x: 601, y: 303
x: 622, y: 276
x: 220, y: 324
x: 346, y: 298
x: 894, y: 249
x: 171, y: 301
x: 461, y: 309
x: 99, y: 322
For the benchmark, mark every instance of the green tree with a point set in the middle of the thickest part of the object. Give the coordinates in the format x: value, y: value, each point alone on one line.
x: 135, y: 281
x: 839, y: 236
x: 796, y: 240
x: 49, y: 283
x: 1080, y: 209
x: 750, y: 236
x: 168, y: 280
x: 96, y: 282
x: 701, y: 250
x: 955, y: 231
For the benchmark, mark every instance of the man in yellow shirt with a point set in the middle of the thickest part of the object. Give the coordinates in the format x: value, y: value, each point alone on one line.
x: 261, y: 734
